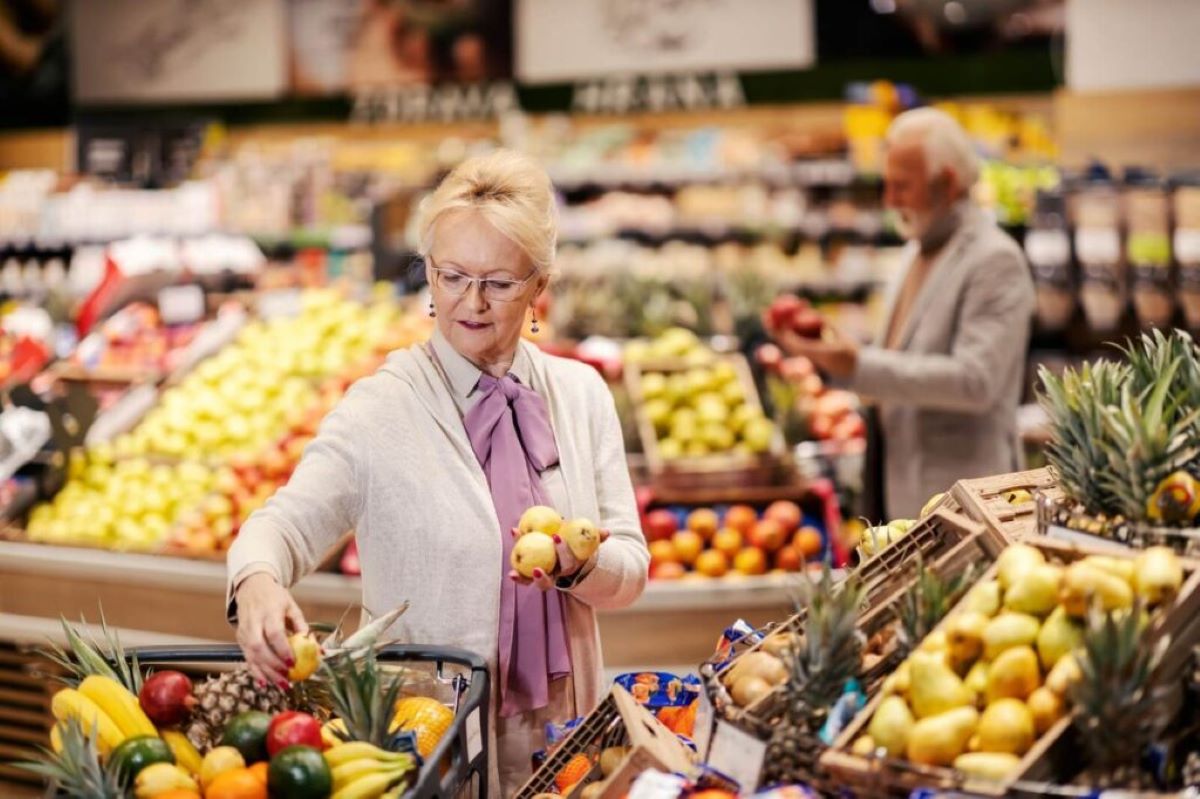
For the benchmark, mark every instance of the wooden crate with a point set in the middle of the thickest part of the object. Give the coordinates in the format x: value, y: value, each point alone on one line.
x: 1052, y: 752
x: 719, y: 471
x: 984, y: 500
x: 947, y: 543
x: 1063, y: 519
x: 617, y: 721
x: 26, y: 689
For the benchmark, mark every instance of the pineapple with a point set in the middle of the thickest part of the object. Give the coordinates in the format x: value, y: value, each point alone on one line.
x: 84, y: 658
x: 1119, y: 710
x: 831, y: 654
x: 220, y: 698
x: 927, y: 602
x: 363, y: 695
x: 75, y: 771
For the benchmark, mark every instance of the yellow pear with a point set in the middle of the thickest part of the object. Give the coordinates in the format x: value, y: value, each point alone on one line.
x: 1015, y: 561
x: 935, y: 687
x: 891, y: 725
x: 976, y: 679
x: 1082, y: 582
x: 748, y: 689
x: 938, y: 740
x: 899, y: 681
x: 1006, y: 726
x: 1157, y: 575
x: 1036, y: 591
x: 1047, y: 708
x: 1060, y: 635
x: 983, y: 598
x: 582, y: 537
x: 1117, y: 567
x: 993, y: 766
x: 1007, y: 630
x: 863, y: 746
x: 1013, y: 674
x: 534, y: 551
x: 759, y: 664
x: 934, y: 642
x: 1065, y: 673
x: 781, y: 643
x: 611, y: 759
x: 964, y: 637
x: 540, y: 518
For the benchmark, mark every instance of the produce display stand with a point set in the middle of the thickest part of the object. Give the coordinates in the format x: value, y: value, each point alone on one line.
x: 1060, y: 518
x: 1055, y: 750
x: 984, y: 500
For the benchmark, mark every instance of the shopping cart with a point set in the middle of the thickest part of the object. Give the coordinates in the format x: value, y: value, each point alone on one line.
x: 458, y: 766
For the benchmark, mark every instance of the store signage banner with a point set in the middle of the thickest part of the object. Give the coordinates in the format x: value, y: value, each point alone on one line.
x: 178, y: 50
x: 568, y: 41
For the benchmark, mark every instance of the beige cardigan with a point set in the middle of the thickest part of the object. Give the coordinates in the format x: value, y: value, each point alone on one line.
x: 392, y: 461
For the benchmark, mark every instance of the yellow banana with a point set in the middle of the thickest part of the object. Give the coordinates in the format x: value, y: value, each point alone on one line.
x: 186, y: 755
x: 158, y: 778
x: 347, y: 773
x: 370, y: 786
x: 56, y: 738
x: 119, y: 704
x: 69, y: 703
x: 356, y: 750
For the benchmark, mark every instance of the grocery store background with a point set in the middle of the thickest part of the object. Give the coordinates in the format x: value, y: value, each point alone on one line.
x: 179, y: 170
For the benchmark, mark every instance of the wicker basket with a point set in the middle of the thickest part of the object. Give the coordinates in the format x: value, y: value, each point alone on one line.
x: 1054, y: 753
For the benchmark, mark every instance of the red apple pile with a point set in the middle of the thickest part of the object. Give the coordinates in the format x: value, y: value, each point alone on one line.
x: 789, y: 312
x: 832, y: 414
x: 742, y: 542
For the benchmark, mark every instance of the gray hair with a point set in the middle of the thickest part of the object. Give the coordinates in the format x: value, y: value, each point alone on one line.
x: 947, y: 145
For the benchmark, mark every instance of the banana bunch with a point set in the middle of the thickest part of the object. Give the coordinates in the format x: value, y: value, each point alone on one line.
x: 107, y: 706
x: 364, y: 771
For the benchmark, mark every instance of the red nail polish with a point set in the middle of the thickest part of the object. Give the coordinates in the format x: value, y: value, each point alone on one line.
x: 284, y: 685
x: 262, y: 683
x: 557, y: 539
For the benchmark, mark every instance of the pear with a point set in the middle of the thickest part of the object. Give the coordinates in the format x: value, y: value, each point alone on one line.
x: 1015, y: 561
x: 983, y: 598
x: 932, y: 503
x: 1064, y: 674
x: 899, y: 682
x: 1157, y: 575
x: 934, y: 642
x: 1047, y: 708
x: 611, y: 759
x: 748, y: 689
x: 1081, y: 582
x: 540, y: 518
x: 993, y: 766
x: 1013, y: 674
x: 534, y: 551
x: 939, y: 740
x: 593, y: 790
x: 976, y: 679
x: 964, y: 637
x: 1036, y: 591
x: 935, y: 687
x: 759, y: 664
x: 1117, y: 567
x: 1008, y: 630
x: 863, y: 746
x: 1006, y: 726
x: 891, y: 725
x: 582, y: 537
x: 782, y: 644
x: 1059, y: 636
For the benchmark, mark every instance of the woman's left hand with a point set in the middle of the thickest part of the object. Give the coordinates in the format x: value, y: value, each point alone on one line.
x: 568, y: 565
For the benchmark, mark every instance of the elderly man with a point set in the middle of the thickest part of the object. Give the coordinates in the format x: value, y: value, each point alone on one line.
x: 947, y: 370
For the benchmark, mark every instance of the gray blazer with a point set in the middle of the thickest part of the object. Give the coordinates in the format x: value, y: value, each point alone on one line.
x: 948, y: 399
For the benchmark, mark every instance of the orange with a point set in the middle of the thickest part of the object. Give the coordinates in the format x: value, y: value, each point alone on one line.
x: 239, y: 783
x: 178, y: 793
x: 427, y: 718
x: 808, y: 542
x: 259, y: 770
x: 576, y: 769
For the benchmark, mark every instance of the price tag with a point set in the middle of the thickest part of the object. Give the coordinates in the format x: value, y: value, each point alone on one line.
x: 181, y: 305
x: 738, y: 755
x: 1187, y: 245
x: 1048, y: 248
x: 1098, y: 245
x: 474, y: 735
x: 279, y: 303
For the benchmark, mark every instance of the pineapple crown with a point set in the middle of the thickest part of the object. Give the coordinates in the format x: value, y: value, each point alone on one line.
x: 1120, y: 707
x: 831, y: 652
x: 927, y: 601
x: 363, y: 695
x: 76, y: 771
x: 84, y: 657
x: 1121, y: 428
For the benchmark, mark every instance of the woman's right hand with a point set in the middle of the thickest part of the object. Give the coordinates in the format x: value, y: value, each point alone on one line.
x: 266, y: 611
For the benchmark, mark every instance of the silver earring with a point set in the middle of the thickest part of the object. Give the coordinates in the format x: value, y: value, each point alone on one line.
x: 534, y: 327
x: 432, y: 312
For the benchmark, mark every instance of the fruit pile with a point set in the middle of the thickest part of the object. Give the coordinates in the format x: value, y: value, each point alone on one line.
x: 739, y: 541
x: 589, y: 771
x: 826, y: 414
x: 534, y: 550
x: 119, y: 733
x: 1001, y: 670
x: 673, y: 344
x: 134, y: 338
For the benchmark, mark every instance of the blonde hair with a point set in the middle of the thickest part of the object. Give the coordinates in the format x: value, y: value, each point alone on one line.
x: 945, y: 142
x: 511, y: 191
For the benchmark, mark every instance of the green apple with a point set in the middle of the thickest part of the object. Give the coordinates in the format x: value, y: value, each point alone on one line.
x: 654, y: 385
x: 717, y: 437
x: 670, y: 449
x: 757, y: 434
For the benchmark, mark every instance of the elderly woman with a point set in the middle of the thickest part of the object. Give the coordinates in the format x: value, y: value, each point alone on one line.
x: 433, y: 460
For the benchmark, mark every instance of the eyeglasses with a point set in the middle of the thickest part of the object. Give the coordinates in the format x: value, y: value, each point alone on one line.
x: 458, y: 284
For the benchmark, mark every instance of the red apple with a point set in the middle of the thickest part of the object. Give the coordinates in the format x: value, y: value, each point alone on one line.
x: 807, y: 323
x: 788, y: 559
x: 293, y: 728
x: 166, y: 697
x: 659, y: 525
x: 786, y: 513
x: 783, y: 310
x: 797, y: 369
x: 767, y: 535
